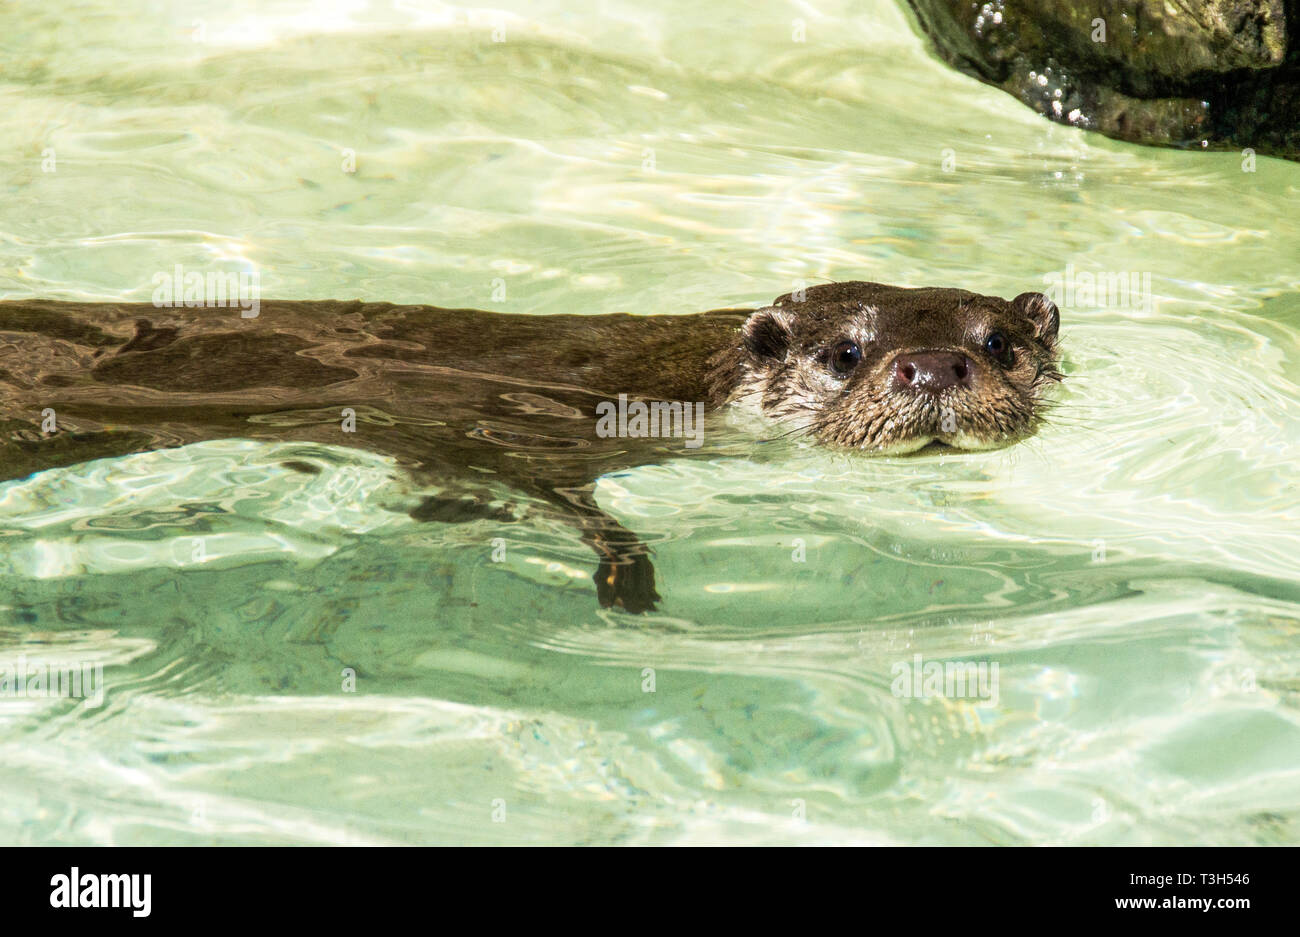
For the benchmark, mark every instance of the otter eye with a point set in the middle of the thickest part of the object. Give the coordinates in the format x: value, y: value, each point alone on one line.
x: 998, y: 346
x: 845, y: 357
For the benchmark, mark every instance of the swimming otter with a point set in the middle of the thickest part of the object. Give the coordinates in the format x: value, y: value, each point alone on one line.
x: 526, y: 400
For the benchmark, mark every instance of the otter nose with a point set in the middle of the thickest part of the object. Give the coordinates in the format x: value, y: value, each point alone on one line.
x: 931, y: 371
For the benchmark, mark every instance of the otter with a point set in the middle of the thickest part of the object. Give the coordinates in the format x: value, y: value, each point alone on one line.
x: 524, y: 400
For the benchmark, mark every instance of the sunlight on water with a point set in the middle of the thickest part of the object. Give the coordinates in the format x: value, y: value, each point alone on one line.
x: 1132, y: 571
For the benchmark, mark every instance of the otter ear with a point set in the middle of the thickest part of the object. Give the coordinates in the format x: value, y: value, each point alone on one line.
x: 1042, y: 312
x: 767, y: 333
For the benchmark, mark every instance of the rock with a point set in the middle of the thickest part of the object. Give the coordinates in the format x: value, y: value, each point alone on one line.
x: 1220, y: 73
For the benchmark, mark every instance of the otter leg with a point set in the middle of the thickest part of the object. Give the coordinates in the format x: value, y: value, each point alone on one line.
x: 625, y: 577
x: 458, y: 510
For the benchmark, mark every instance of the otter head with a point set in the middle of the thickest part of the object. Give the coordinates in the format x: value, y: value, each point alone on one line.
x: 889, y: 370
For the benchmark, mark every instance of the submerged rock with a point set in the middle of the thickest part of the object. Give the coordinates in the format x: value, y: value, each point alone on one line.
x: 1215, y: 73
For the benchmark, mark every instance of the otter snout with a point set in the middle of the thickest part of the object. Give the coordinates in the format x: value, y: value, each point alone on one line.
x: 931, y: 372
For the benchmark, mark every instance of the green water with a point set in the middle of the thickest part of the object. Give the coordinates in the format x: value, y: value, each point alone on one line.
x: 1133, y: 571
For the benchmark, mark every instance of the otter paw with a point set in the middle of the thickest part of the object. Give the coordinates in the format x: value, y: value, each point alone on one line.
x: 629, y: 585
